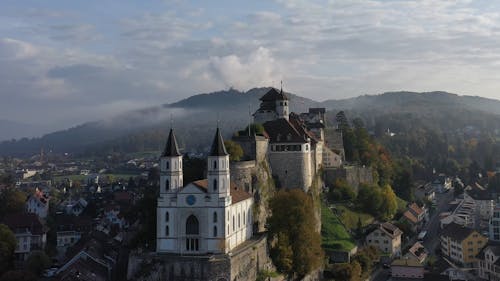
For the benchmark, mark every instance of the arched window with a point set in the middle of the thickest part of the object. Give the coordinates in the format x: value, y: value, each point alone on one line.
x: 215, y: 185
x: 244, y: 216
x: 168, y: 165
x: 192, y: 226
x: 215, y: 216
x: 215, y: 231
x: 233, y: 223
x: 239, y: 221
x: 167, y: 185
x: 249, y: 218
x: 215, y: 165
x: 167, y: 231
x: 167, y: 216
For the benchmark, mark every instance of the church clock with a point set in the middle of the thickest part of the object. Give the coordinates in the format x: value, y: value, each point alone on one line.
x: 190, y: 200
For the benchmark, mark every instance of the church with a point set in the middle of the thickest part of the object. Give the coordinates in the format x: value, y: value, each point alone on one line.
x: 209, y: 216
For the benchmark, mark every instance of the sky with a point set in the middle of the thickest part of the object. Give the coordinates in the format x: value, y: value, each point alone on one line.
x: 63, y: 62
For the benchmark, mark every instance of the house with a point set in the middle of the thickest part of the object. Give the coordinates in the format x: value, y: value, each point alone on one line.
x: 70, y: 230
x: 417, y: 252
x: 29, y: 231
x: 483, y: 199
x: 461, y: 244
x: 38, y: 203
x: 407, y: 268
x: 442, y: 183
x: 113, y: 217
x: 387, y: 238
x: 461, y: 211
x: 489, y: 262
x: 74, y: 207
x: 415, y: 215
x: 426, y: 192
x: 92, y: 260
x: 494, y: 224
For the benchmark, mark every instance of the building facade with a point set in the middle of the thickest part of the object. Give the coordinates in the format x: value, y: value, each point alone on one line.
x: 202, y: 217
x: 461, y: 244
x: 489, y: 262
x: 38, y: 203
x: 387, y: 238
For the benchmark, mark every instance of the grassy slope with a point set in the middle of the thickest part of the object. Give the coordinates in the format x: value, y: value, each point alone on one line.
x: 350, y: 217
x: 334, y: 235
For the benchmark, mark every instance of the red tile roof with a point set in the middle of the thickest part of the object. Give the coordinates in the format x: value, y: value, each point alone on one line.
x: 237, y: 194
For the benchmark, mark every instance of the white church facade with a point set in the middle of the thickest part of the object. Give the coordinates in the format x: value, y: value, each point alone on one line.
x: 207, y: 216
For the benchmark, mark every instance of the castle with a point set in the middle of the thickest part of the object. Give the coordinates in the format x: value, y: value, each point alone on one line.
x: 296, y: 143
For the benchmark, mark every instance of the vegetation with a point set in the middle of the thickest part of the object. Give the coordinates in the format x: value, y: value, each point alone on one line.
x: 37, y: 262
x: 7, y: 247
x: 235, y: 151
x: 341, y: 191
x: 18, y: 275
x: 297, y: 248
x: 378, y: 201
x: 11, y: 201
x: 334, y: 234
x: 351, y: 217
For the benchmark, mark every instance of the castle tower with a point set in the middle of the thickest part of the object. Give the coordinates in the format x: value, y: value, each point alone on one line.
x: 171, y: 166
x: 282, y: 105
x: 218, y: 168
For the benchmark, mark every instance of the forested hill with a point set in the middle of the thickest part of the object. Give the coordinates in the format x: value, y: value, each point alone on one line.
x: 195, y: 117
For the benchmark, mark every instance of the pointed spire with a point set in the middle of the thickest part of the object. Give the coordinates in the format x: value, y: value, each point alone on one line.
x: 218, y: 147
x: 171, y: 149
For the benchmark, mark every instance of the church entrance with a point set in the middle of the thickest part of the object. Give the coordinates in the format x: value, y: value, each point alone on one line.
x: 192, y: 233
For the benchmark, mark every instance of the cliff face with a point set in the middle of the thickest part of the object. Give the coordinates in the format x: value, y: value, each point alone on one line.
x: 255, y: 177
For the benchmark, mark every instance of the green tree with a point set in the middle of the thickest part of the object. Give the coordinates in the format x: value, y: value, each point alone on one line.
x: 11, y: 201
x: 389, y: 203
x: 234, y: 149
x: 7, y: 247
x: 37, y: 262
x: 293, y: 228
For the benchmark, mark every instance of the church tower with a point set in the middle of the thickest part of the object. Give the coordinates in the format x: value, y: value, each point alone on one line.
x: 218, y: 168
x: 170, y: 166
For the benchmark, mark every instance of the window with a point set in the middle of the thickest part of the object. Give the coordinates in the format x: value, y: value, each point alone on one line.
x: 215, y: 185
x: 239, y: 222
x: 215, y: 216
x: 168, y: 165
x: 192, y: 226
x: 167, y: 217
x: 167, y: 185
x: 233, y: 223
x: 244, y: 216
x: 215, y: 231
x: 167, y: 232
x: 215, y: 165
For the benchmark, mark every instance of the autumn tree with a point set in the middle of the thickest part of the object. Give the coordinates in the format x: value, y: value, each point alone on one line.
x: 297, y: 246
x: 7, y: 247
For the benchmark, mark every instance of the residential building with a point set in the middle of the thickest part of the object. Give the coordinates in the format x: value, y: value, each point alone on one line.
x: 415, y: 215
x: 407, y: 268
x: 461, y: 244
x: 442, y: 183
x: 29, y: 231
x: 70, y: 230
x: 426, y: 192
x: 417, y: 252
x: 461, y: 211
x: 489, y: 262
x: 387, y: 238
x: 494, y: 224
x: 38, y: 203
x: 484, y: 201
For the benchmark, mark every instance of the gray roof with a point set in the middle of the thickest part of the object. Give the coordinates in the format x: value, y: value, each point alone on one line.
x: 218, y: 147
x: 171, y: 149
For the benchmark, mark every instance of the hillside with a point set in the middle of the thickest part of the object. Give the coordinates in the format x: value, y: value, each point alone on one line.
x: 195, y: 118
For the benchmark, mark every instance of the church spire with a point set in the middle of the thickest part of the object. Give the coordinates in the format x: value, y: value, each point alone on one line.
x: 218, y: 147
x: 171, y: 149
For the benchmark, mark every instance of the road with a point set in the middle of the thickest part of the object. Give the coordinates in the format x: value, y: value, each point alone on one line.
x: 432, y: 227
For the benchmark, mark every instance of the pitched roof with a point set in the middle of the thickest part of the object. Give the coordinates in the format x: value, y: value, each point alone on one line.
x: 456, y: 232
x: 409, y: 216
x: 274, y: 95
x: 21, y: 222
x: 237, y: 194
x: 407, y: 262
x: 391, y: 229
x: 479, y: 194
x: 218, y: 147
x: 281, y: 130
x: 171, y: 148
x: 415, y: 209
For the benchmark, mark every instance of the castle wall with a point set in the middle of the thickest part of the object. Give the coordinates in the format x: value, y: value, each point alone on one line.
x: 293, y: 168
x: 243, y: 264
x: 254, y: 147
x: 354, y: 175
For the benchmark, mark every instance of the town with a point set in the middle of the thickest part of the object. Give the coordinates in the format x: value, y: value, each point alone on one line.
x: 176, y: 215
